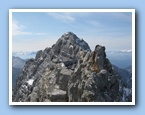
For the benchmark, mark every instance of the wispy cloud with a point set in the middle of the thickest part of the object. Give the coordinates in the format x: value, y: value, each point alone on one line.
x: 113, y: 30
x: 41, y: 33
x: 65, y: 17
x: 121, y: 15
x: 95, y: 23
x: 17, y: 29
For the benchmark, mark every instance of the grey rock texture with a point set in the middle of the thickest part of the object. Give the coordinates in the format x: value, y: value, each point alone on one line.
x: 69, y: 72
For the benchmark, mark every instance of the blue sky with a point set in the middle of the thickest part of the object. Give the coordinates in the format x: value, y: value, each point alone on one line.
x: 34, y: 31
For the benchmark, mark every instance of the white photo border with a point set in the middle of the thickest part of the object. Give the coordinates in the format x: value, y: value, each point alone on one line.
x: 71, y: 10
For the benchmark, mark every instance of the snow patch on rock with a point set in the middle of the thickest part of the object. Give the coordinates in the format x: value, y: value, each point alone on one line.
x: 30, y: 81
x: 71, y: 46
x: 62, y: 65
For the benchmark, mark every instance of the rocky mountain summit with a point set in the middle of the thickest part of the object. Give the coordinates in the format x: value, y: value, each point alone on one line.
x: 70, y: 72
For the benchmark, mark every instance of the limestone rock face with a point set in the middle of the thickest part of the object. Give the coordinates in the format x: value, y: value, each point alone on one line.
x: 95, y: 80
x: 69, y: 72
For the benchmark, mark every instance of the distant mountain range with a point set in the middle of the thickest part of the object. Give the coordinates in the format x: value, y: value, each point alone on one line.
x: 129, y: 69
x: 125, y: 80
x: 122, y: 58
x: 17, y: 65
x: 25, y: 55
x: 125, y: 75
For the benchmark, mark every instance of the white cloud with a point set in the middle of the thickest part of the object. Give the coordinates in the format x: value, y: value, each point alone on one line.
x: 17, y: 29
x: 126, y: 51
x: 122, y: 16
x: 65, y: 17
x: 41, y: 33
x: 95, y: 23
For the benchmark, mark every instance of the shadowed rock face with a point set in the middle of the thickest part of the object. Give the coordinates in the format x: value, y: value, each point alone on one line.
x: 17, y: 65
x: 69, y: 71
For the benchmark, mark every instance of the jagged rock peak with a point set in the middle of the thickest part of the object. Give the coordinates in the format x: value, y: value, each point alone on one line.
x: 67, y: 34
x: 69, y: 45
x: 70, y: 71
x: 71, y: 39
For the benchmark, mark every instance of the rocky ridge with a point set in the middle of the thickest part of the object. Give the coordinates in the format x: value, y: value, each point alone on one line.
x: 69, y: 72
